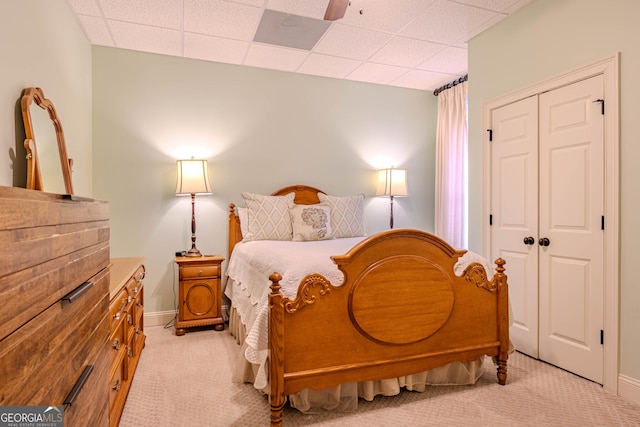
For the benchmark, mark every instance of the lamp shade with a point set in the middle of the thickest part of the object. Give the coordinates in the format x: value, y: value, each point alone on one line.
x: 193, y: 177
x: 392, y: 182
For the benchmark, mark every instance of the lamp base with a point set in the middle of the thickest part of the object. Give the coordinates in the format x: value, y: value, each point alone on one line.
x: 193, y: 252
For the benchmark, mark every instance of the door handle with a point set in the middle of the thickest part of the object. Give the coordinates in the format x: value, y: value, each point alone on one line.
x: 544, y: 241
x: 529, y: 240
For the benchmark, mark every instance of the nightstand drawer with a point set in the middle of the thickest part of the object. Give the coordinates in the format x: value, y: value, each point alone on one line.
x: 199, y: 271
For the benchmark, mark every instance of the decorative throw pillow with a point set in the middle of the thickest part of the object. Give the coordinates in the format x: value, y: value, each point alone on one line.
x: 243, y: 217
x: 347, y: 215
x: 311, y: 222
x: 268, y: 217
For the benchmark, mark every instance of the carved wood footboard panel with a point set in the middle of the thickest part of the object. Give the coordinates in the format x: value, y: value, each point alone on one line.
x: 400, y: 310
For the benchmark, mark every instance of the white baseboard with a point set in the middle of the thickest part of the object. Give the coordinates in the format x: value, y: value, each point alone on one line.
x: 161, y: 318
x: 629, y: 388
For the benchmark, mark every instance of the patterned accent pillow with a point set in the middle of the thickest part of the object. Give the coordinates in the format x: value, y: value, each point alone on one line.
x: 268, y: 217
x: 311, y: 222
x: 347, y: 215
x: 243, y: 216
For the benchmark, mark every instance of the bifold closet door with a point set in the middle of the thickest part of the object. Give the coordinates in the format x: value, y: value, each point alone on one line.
x: 571, y: 272
x: 547, y: 205
x: 514, y: 207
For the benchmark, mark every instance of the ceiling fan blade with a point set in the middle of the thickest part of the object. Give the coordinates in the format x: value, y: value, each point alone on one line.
x: 336, y: 10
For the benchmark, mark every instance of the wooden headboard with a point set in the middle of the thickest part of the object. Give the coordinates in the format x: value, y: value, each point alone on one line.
x: 305, y: 195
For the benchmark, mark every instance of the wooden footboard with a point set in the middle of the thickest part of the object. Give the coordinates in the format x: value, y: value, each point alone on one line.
x: 400, y: 310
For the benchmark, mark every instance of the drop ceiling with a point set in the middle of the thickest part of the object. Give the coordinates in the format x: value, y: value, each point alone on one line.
x: 417, y: 44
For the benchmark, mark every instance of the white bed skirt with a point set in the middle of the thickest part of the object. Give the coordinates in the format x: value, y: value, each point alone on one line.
x: 344, y: 398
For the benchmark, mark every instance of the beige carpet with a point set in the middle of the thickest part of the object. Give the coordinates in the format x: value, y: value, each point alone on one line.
x: 187, y: 381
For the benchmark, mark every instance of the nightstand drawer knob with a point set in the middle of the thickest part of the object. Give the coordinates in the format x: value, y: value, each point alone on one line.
x: 116, y: 344
x: 116, y: 385
x: 199, y: 272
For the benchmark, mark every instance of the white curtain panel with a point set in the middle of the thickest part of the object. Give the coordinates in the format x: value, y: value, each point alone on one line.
x: 451, y: 166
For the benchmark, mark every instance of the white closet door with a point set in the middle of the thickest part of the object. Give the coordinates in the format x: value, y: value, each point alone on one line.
x: 514, y: 208
x: 571, y: 181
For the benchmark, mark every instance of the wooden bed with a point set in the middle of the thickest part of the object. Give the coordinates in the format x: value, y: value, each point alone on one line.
x: 331, y: 335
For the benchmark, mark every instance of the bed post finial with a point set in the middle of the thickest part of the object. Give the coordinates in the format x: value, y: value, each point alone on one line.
x: 503, y: 320
x: 275, y: 282
x: 276, y: 351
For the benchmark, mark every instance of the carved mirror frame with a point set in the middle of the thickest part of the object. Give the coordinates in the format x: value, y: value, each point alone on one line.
x: 35, y: 95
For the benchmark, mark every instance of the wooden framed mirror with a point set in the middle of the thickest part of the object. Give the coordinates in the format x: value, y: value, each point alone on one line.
x: 48, y: 167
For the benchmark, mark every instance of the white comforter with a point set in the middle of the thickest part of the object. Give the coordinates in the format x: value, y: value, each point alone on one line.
x: 253, y: 262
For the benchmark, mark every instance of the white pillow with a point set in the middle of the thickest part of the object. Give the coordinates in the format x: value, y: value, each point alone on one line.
x: 268, y: 217
x: 311, y: 222
x: 347, y: 215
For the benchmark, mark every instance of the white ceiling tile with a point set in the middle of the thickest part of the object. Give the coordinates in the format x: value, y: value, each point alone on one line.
x: 221, y: 18
x: 146, y: 38
x: 384, y: 15
x: 351, y: 42
x: 406, y: 52
x: 85, y: 7
x: 420, y: 44
x: 256, y: 3
x: 376, y: 73
x: 96, y: 30
x: 276, y: 58
x: 424, y: 80
x: 494, y: 5
x: 309, y: 8
x: 451, y: 60
x: 208, y: 48
x: 484, y: 26
x: 447, y: 22
x: 328, y: 66
x: 158, y: 13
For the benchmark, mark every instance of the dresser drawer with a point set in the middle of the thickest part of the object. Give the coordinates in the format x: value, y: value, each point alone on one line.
x: 117, y: 343
x: 55, y: 346
x: 118, y: 307
x: 199, y: 272
x: 116, y: 379
x: 135, y: 282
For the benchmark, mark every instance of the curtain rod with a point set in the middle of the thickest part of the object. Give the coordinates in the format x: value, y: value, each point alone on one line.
x: 452, y: 84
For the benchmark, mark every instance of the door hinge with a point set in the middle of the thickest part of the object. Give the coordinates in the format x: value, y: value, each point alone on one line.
x: 602, y: 223
x: 601, y: 337
x: 490, y: 219
x: 490, y: 134
x: 601, y: 101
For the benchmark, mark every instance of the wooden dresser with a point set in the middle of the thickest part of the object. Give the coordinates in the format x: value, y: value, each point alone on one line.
x: 126, y: 328
x: 54, y: 293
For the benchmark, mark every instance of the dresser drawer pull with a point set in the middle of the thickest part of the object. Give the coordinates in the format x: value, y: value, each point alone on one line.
x: 138, y: 330
x: 129, y: 319
x: 138, y: 302
x: 77, y: 292
x: 130, y: 352
x: 116, y: 344
x: 117, y: 316
x: 116, y: 385
x: 75, y: 391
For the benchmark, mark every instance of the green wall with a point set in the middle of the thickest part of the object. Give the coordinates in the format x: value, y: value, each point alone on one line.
x: 260, y: 130
x: 42, y: 45
x: 542, y: 40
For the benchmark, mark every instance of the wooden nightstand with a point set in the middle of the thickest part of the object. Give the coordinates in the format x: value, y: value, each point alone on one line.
x: 200, y: 293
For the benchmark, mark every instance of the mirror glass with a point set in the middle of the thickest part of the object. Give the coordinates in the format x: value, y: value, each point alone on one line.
x: 48, y: 168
